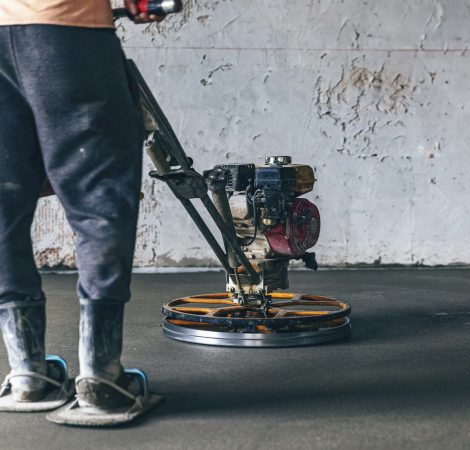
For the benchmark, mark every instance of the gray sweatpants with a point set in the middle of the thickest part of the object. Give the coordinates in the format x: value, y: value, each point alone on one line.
x: 69, y: 111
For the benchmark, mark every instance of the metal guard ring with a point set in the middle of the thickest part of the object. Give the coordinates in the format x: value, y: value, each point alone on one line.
x: 221, y: 309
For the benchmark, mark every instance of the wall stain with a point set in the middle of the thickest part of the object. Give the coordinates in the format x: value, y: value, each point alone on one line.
x: 359, y: 102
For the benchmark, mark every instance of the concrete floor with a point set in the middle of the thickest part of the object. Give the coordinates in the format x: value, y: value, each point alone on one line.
x: 402, y: 381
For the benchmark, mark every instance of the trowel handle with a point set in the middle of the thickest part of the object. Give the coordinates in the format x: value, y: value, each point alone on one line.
x: 155, y: 7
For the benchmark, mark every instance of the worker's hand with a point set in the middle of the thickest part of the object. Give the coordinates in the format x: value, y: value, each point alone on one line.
x: 141, y: 17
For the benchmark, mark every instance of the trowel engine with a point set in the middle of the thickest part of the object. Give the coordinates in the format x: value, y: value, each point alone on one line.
x: 273, y: 224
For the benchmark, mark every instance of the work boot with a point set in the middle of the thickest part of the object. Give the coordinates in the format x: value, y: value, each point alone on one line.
x: 23, y: 329
x: 100, y: 350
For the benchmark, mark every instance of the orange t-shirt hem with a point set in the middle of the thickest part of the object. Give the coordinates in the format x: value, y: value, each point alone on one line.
x: 70, y: 23
x: 79, y: 13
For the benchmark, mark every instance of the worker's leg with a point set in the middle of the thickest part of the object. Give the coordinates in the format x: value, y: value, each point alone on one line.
x: 22, y: 312
x: 90, y: 131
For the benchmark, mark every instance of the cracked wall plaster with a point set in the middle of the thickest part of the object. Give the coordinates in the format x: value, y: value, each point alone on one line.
x: 373, y: 94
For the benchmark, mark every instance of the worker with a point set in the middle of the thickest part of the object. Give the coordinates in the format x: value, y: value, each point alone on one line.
x: 70, y: 113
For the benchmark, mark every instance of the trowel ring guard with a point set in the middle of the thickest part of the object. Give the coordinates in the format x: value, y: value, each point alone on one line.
x: 289, y: 320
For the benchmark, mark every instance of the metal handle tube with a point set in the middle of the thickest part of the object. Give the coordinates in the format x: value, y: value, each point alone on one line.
x: 167, y: 142
x: 221, y: 203
x: 165, y: 131
x: 158, y: 158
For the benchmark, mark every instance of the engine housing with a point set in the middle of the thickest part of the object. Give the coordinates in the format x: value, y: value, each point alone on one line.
x: 274, y: 225
x: 298, y: 233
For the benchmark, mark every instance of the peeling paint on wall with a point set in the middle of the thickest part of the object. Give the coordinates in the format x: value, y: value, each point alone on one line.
x: 375, y: 95
x: 361, y: 102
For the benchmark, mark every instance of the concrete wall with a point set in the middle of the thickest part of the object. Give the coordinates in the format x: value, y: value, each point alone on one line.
x: 375, y: 94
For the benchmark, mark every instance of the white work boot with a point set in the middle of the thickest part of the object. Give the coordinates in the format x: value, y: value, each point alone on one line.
x: 23, y: 329
x: 100, y: 350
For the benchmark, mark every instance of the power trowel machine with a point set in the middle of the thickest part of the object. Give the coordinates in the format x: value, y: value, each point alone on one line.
x: 264, y: 223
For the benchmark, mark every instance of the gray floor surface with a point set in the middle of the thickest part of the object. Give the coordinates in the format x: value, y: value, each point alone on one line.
x: 402, y: 381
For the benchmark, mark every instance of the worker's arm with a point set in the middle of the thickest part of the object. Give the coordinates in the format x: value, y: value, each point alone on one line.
x: 141, y: 17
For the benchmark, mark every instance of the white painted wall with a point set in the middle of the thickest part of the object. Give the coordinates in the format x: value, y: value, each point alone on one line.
x: 375, y: 94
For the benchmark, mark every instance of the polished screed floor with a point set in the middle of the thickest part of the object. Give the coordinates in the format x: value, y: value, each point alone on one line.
x: 401, y: 381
